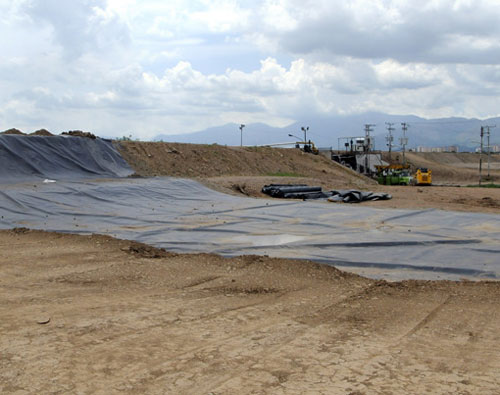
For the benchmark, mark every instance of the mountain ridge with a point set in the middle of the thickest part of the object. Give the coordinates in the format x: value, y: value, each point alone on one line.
x: 326, y: 131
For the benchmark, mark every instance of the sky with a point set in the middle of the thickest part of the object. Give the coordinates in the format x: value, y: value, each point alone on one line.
x: 142, y: 68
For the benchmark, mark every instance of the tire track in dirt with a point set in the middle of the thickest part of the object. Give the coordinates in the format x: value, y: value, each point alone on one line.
x: 428, y: 318
x: 182, y: 362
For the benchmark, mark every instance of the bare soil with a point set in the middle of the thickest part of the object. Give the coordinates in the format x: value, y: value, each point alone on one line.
x: 246, y: 170
x: 207, y: 161
x: 79, y: 133
x: 41, y: 132
x: 92, y: 314
x: 454, y: 168
x: 12, y: 131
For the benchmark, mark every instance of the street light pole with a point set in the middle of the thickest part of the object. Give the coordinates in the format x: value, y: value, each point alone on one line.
x: 241, y: 134
x: 305, y: 129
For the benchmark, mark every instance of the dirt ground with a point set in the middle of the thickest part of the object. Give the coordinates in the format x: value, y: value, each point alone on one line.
x: 215, y: 161
x: 480, y: 200
x: 456, y: 168
x: 91, y: 314
x: 246, y: 170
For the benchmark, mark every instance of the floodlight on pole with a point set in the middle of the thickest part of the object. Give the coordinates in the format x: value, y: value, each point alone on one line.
x: 305, y: 129
x: 292, y: 135
x: 241, y: 134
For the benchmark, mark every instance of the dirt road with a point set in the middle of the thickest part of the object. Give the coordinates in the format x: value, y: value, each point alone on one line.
x: 91, y: 314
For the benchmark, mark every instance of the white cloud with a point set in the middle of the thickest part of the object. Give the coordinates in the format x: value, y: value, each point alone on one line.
x: 394, y: 75
x: 222, y: 16
x: 168, y: 67
x: 79, y: 26
x: 401, y: 30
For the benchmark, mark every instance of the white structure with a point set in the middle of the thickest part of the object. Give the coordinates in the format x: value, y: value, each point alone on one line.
x: 451, y: 148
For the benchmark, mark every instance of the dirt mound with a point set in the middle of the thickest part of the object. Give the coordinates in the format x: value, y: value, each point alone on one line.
x: 12, y: 131
x: 147, y: 251
x: 41, y: 132
x: 209, y: 161
x: 79, y: 133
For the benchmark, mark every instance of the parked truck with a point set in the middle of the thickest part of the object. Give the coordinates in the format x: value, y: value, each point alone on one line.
x: 394, y: 175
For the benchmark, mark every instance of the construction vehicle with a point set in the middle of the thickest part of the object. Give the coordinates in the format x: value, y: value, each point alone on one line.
x: 307, y: 146
x: 394, y: 175
x: 423, y: 176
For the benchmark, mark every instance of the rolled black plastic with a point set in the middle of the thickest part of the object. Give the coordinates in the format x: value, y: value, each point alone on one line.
x: 277, y: 190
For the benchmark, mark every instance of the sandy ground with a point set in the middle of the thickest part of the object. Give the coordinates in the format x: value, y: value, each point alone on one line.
x: 91, y: 314
x: 456, y: 168
x: 245, y: 170
x: 481, y: 200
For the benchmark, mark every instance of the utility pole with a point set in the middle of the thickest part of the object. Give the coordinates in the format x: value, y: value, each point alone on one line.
x: 489, y: 148
x: 403, y: 141
x: 368, y: 145
x: 389, y: 138
x: 486, y: 129
x: 481, y: 156
x: 488, y: 142
x: 368, y: 142
x: 241, y: 134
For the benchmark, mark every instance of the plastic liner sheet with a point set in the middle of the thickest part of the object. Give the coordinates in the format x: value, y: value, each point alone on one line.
x: 355, y: 196
x: 184, y: 216
x: 28, y: 158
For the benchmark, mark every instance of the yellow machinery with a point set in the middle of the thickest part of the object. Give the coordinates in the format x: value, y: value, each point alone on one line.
x: 423, y: 176
x: 307, y: 147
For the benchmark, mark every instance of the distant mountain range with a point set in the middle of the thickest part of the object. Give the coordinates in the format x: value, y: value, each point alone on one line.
x: 325, y: 132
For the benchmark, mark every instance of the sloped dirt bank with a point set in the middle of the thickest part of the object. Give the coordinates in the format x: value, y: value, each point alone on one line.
x: 244, y: 171
x: 207, y: 161
x: 92, y: 314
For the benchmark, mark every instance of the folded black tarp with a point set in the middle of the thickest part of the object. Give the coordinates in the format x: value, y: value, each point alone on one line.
x: 301, y: 191
x: 28, y: 158
x: 355, y: 196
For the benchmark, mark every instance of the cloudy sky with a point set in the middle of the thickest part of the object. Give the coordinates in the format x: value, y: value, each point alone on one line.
x: 120, y: 67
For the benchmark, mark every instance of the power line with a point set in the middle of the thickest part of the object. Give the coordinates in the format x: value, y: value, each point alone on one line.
x: 390, y: 138
x: 404, y: 140
x: 487, y: 128
x: 368, y: 129
x: 368, y: 146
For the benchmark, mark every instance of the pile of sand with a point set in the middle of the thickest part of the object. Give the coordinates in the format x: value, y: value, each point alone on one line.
x: 12, y: 131
x: 79, y: 133
x: 41, y: 132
